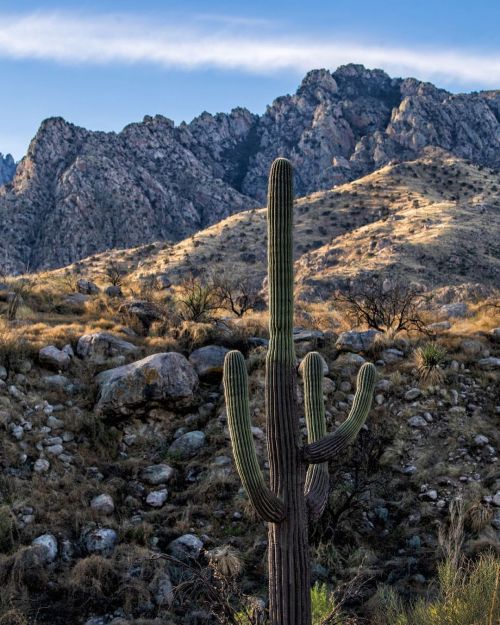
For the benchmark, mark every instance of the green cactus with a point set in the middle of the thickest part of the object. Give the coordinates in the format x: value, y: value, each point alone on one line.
x: 299, y: 481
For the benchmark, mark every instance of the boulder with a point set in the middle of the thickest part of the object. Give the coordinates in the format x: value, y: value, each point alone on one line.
x: 300, y: 335
x: 392, y: 355
x: 146, y: 312
x: 100, y: 540
x: 113, y: 291
x: 156, y: 498
x: 186, y: 547
x: 103, y: 504
x: 187, y: 445
x: 166, y: 378
x: 208, y: 361
x: 439, y: 326
x: 353, y: 341
x: 157, y: 474
x: 417, y: 422
x: 100, y: 347
x: 348, y: 362
x: 86, y: 287
x: 53, y: 357
x: 489, y: 364
x: 47, y: 545
x: 458, y: 310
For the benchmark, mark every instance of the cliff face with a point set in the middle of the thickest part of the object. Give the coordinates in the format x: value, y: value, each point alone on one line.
x: 79, y: 192
x: 7, y: 168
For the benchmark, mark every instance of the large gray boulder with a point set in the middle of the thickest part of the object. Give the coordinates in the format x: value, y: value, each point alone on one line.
x: 101, y: 347
x: 161, y: 378
x: 208, y: 361
x: 353, y: 341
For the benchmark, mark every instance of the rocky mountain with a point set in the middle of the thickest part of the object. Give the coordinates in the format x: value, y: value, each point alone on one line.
x: 7, y: 168
x: 79, y: 192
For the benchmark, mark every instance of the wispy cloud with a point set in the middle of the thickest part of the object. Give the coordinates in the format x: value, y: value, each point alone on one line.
x: 101, y: 39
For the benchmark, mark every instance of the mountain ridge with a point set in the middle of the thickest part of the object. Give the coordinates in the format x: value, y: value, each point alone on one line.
x: 79, y: 192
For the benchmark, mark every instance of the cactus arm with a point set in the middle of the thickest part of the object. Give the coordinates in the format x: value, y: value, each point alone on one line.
x: 267, y: 505
x: 317, y: 483
x: 327, y: 447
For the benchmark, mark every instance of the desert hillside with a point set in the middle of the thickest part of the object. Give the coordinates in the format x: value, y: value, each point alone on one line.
x: 433, y: 221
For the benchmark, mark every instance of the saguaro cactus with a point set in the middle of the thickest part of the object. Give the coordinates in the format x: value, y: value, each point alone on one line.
x: 299, y: 483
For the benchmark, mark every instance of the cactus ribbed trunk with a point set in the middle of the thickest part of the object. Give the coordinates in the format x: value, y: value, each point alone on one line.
x: 292, y: 498
x: 289, y: 568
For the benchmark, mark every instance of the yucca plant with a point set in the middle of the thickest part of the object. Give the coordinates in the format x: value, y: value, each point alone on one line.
x: 429, y: 360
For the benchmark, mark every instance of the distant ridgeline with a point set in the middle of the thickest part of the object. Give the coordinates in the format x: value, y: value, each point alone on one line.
x: 7, y: 168
x: 78, y: 192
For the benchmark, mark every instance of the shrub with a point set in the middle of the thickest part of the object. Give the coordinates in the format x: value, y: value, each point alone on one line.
x: 467, y: 595
x: 382, y: 305
x: 198, y: 300
x: 429, y: 359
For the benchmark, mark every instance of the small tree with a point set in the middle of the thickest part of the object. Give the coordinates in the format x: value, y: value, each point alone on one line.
x: 238, y: 294
x: 382, y: 305
x: 115, y: 273
x: 198, y: 299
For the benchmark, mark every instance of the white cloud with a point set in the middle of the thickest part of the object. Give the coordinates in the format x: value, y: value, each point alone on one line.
x: 104, y: 39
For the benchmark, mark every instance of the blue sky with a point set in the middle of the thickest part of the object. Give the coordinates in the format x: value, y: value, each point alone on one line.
x: 103, y: 64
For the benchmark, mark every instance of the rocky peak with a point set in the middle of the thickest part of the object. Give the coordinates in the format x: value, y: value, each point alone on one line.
x: 7, y: 168
x: 318, y: 80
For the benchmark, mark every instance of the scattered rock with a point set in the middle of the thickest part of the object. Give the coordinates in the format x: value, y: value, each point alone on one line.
x: 145, y: 312
x: 457, y: 310
x: 489, y: 364
x: 353, y: 341
x: 54, y: 357
x: 392, y: 355
x: 208, y: 361
x: 187, y: 445
x: 103, y: 504
x: 480, y: 440
x: 86, y: 287
x: 186, y: 547
x: 100, y: 347
x: 100, y: 540
x: 417, y: 422
x: 439, y: 326
x: 301, y: 336
x: 41, y: 465
x: 113, y: 291
x: 47, y: 543
x: 412, y: 394
x: 156, y: 498
x: 157, y: 474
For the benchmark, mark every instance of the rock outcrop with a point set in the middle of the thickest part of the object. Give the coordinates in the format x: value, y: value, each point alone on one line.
x: 7, y: 168
x: 79, y: 192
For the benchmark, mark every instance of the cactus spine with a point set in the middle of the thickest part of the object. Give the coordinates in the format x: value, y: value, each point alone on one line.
x: 299, y: 482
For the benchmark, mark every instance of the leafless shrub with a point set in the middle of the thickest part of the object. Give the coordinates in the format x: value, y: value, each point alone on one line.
x: 115, y: 273
x: 198, y: 299
x: 237, y: 294
x: 382, y: 305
